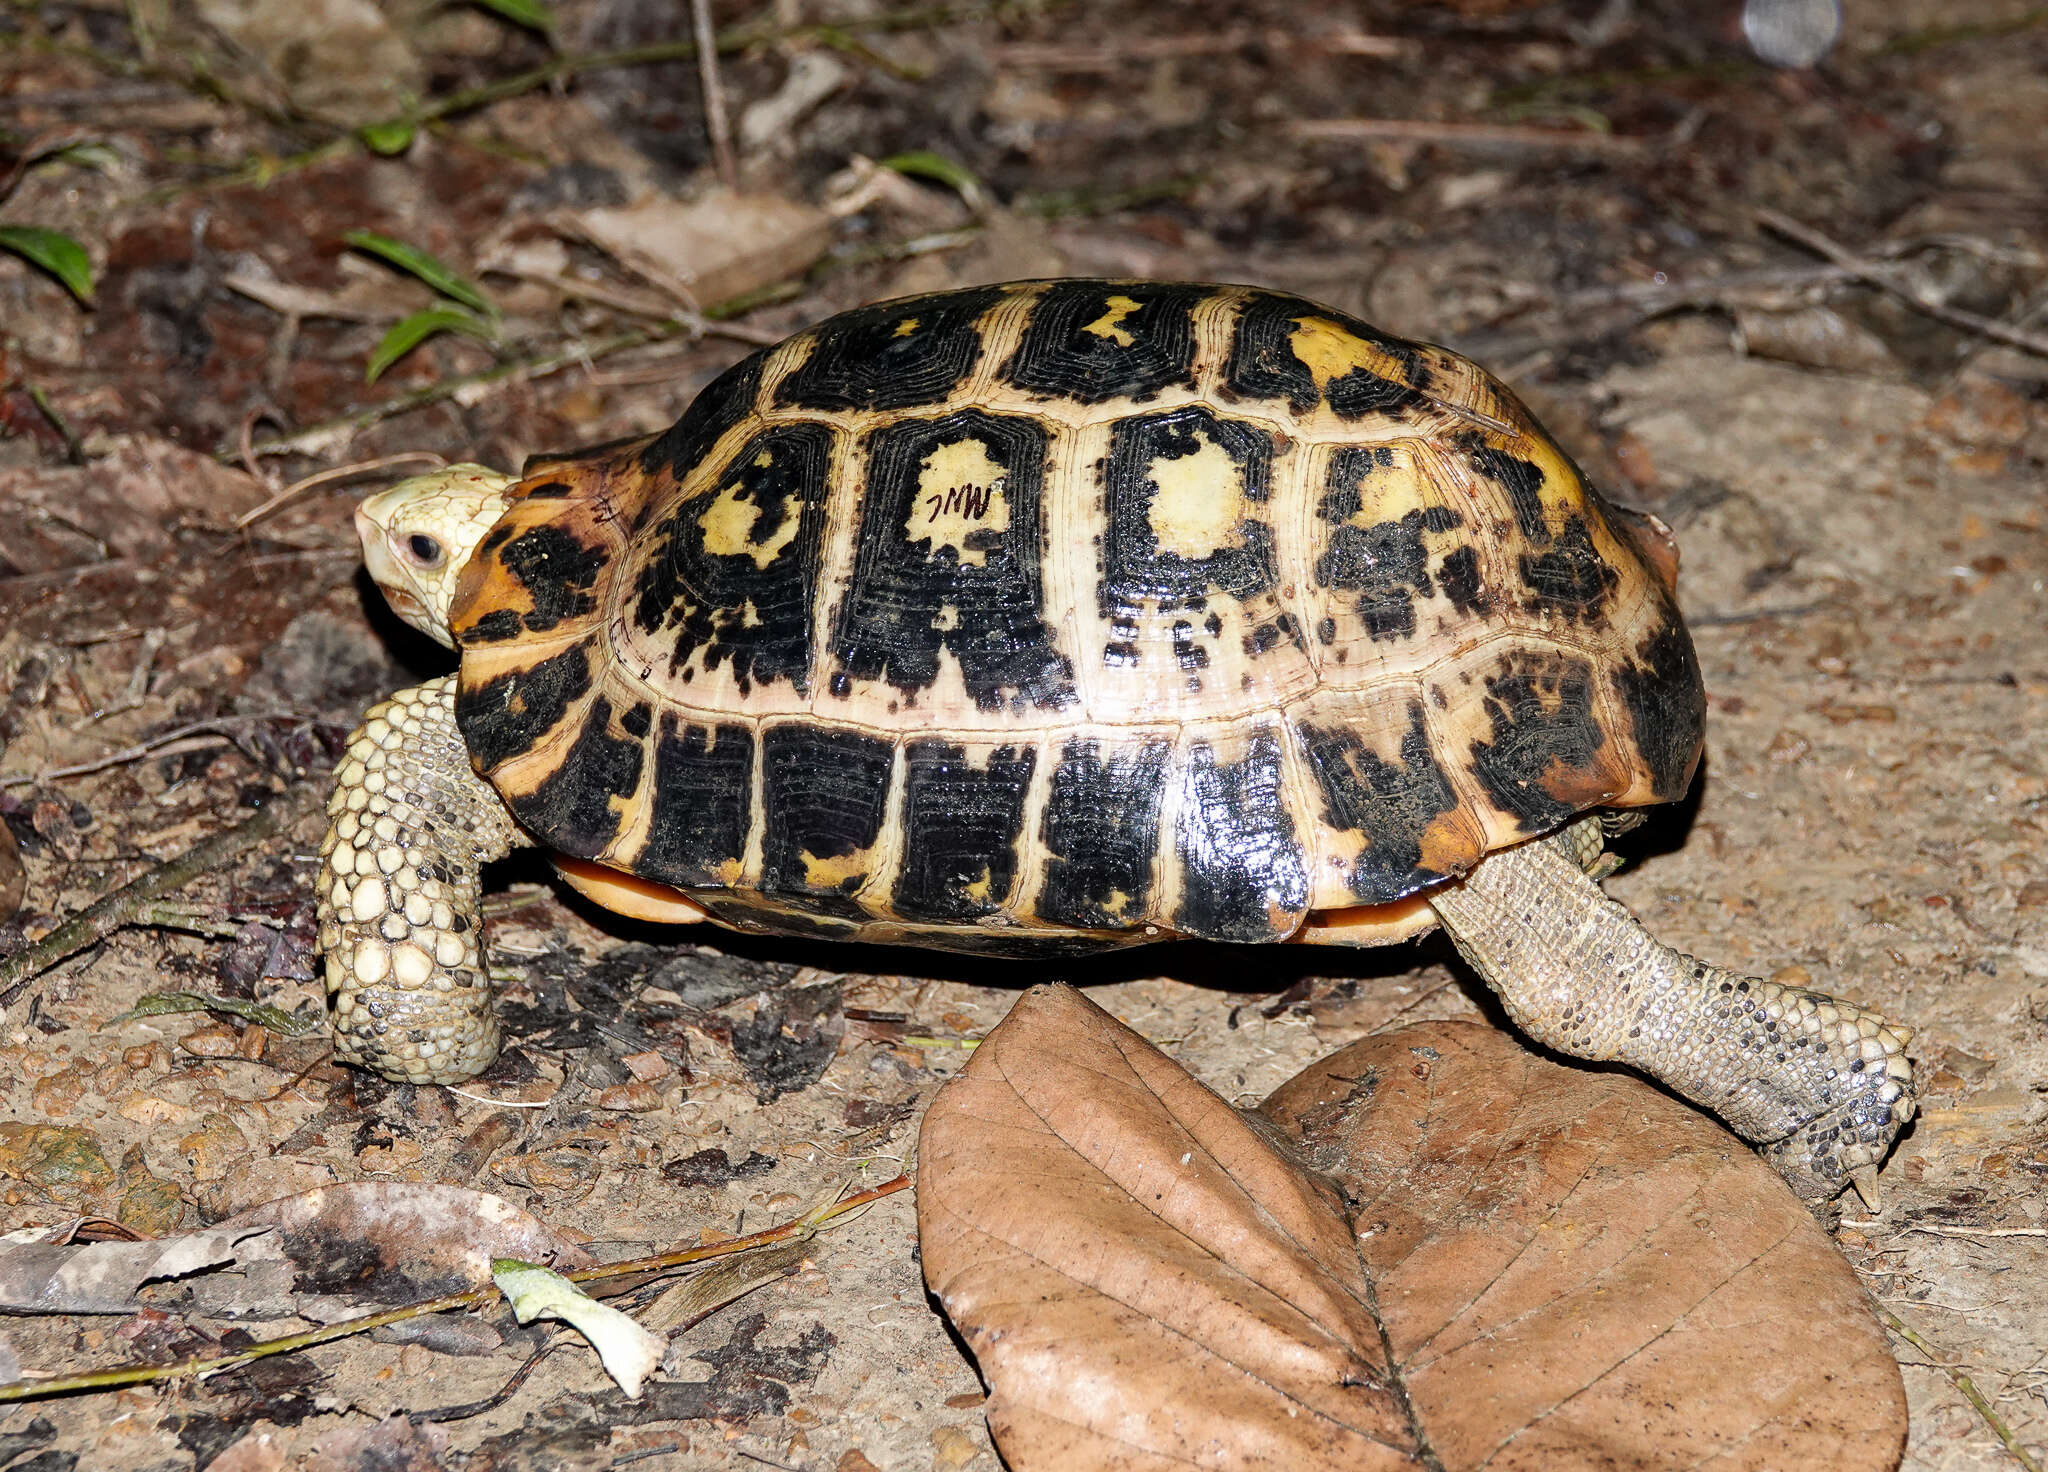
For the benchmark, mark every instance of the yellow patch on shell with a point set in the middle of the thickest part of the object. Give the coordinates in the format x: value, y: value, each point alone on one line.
x: 730, y: 522
x: 832, y: 873
x: 1330, y: 353
x: 1198, y: 503
x: 1110, y: 324
x: 959, y: 493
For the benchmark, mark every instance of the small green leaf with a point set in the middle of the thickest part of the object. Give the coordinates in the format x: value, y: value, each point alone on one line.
x: 88, y: 153
x: 170, y: 1004
x: 430, y: 269
x: 922, y: 163
x: 409, y: 332
x: 529, y: 13
x: 56, y: 252
x: 387, y: 139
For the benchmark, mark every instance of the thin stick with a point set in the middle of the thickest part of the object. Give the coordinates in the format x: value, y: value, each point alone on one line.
x: 1978, y: 1231
x: 1463, y: 135
x: 313, y: 437
x: 1886, y: 279
x: 111, y: 911
x: 217, y: 726
x: 1963, y: 1383
x: 715, y: 121
x: 804, y: 1225
x: 340, y: 472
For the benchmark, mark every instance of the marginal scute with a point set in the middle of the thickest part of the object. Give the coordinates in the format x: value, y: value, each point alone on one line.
x: 574, y: 804
x: 1546, y: 756
x: 1059, y: 615
x: 1660, y: 688
x: 1100, y: 830
x: 824, y: 795
x: 1391, y: 800
x: 703, y: 795
x: 507, y: 717
x: 963, y: 823
x: 1243, y: 875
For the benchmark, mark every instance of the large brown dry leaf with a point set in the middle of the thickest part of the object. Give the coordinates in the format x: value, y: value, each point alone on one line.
x: 1551, y: 1267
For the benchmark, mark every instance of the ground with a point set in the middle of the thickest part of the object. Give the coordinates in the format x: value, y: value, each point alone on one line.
x: 1856, y: 486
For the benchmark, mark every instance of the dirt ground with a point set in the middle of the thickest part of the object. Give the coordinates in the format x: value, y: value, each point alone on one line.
x: 1582, y: 198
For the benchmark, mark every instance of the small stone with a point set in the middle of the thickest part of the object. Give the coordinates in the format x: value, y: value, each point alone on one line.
x: 646, y: 1066
x: 216, y: 1040
x: 140, y: 1057
x: 952, y: 1447
x: 636, y: 1097
x: 213, y: 1148
x: 58, y: 1094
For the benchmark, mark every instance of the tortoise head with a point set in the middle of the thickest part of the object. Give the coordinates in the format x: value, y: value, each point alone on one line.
x: 418, y: 534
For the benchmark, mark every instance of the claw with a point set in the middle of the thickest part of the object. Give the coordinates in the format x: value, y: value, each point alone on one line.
x: 1864, y: 1179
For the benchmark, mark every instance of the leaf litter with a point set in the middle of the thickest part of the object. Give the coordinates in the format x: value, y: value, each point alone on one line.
x: 1431, y: 1249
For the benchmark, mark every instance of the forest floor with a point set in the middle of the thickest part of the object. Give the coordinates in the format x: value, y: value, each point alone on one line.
x: 1750, y: 300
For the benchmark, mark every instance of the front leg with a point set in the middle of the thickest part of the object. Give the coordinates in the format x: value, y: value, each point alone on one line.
x: 1820, y: 1086
x: 410, y: 827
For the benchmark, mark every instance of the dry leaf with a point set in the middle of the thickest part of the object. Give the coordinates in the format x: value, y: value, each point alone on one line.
x: 38, y: 1277
x: 338, y: 60
x: 711, y: 249
x: 1551, y: 1267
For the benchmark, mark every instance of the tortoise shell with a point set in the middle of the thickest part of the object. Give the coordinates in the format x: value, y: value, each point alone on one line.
x: 1074, y: 612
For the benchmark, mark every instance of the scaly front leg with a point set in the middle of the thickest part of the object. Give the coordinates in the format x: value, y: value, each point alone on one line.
x: 411, y: 825
x: 1820, y: 1086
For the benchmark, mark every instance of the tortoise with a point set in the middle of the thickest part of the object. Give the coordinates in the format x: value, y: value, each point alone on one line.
x: 1045, y: 617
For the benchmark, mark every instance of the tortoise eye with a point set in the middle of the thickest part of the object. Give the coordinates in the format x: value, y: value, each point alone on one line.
x: 424, y: 549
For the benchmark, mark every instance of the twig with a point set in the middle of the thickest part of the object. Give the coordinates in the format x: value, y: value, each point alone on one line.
x: 1134, y: 50
x: 1945, y: 1231
x: 1463, y: 135
x: 1885, y: 279
x: 306, y: 441
x: 801, y: 1226
x: 340, y: 472
x: 1963, y: 1383
x: 716, y: 122
x: 1703, y: 290
x: 74, y: 452
x: 111, y: 911
x: 314, y: 437
x: 215, y: 726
